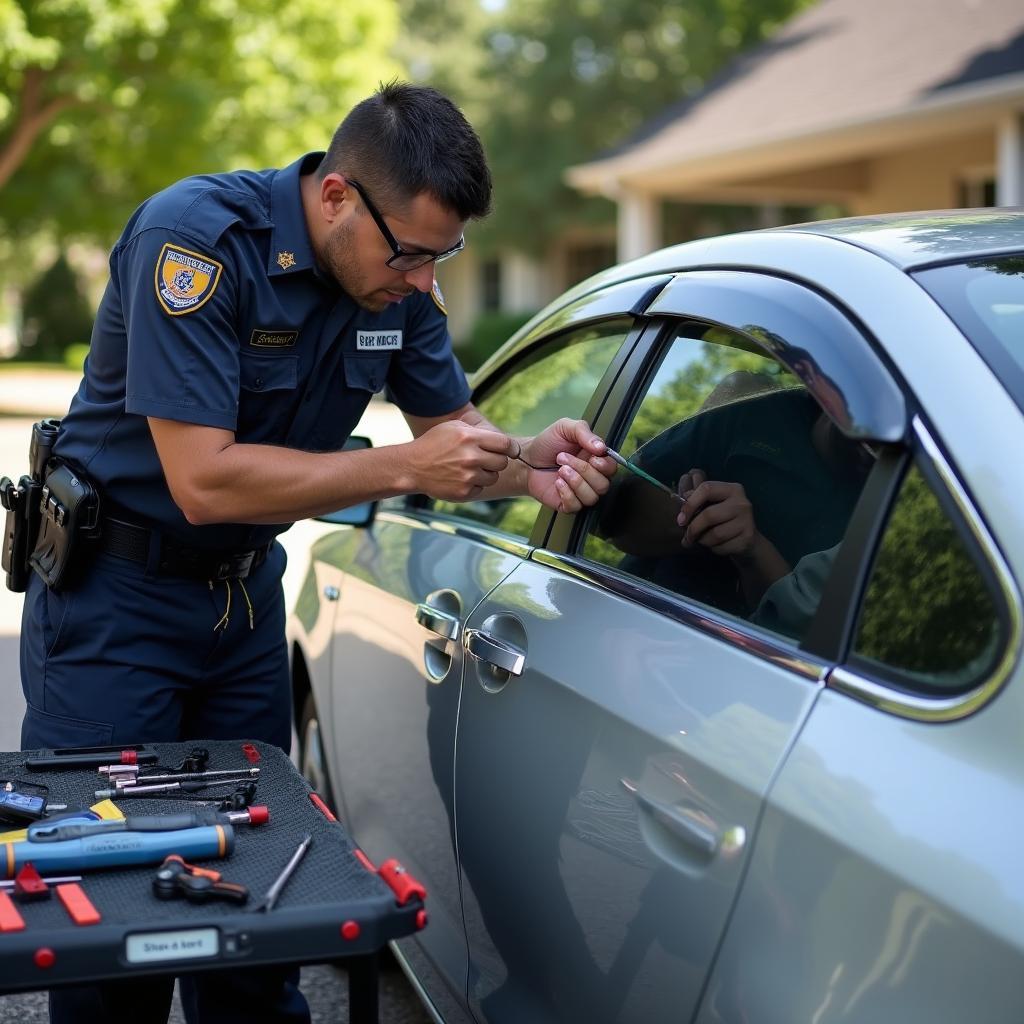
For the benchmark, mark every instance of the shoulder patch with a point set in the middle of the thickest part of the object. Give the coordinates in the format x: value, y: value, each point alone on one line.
x: 435, y: 294
x: 185, y: 280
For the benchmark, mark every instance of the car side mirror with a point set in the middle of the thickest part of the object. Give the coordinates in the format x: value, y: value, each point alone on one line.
x: 354, y: 515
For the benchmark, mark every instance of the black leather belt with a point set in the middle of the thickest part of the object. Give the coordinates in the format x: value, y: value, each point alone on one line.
x: 131, y: 541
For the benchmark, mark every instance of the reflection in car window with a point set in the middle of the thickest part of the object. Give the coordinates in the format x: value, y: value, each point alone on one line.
x: 927, y: 613
x: 985, y: 297
x: 556, y: 380
x: 769, y: 482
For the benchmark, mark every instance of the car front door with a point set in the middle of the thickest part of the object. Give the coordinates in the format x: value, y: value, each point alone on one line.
x: 629, y: 700
x: 408, y: 584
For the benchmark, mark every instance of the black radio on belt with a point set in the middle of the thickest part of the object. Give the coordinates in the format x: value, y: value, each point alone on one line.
x: 22, y: 501
x: 69, y: 519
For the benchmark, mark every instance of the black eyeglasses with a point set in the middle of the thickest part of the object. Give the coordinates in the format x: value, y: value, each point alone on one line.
x: 402, y: 259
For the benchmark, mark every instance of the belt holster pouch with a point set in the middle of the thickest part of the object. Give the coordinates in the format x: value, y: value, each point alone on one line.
x: 21, y: 500
x: 17, y: 531
x: 69, y: 517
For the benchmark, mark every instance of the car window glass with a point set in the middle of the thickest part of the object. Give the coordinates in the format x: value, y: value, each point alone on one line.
x: 770, y: 484
x: 556, y: 380
x: 928, y: 614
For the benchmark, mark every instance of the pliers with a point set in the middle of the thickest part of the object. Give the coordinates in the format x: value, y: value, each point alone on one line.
x: 176, y: 879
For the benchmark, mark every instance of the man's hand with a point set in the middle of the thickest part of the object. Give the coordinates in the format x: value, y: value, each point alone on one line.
x: 584, y: 471
x: 456, y: 461
x: 719, y: 516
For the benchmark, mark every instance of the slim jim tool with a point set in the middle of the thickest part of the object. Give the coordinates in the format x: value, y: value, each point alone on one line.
x: 637, y: 471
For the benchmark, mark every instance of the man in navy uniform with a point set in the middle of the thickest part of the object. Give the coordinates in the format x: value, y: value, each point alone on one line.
x: 248, y: 319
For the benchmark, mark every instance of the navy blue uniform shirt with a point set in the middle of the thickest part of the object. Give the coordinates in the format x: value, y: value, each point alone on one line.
x: 216, y: 314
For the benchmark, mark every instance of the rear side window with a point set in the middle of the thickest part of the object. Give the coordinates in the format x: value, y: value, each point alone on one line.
x: 929, y: 621
x: 769, y: 484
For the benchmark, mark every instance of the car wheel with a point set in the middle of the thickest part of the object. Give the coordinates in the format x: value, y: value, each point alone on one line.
x: 312, y: 762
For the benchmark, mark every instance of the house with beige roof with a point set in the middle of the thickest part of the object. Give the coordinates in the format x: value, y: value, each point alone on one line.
x: 872, y: 105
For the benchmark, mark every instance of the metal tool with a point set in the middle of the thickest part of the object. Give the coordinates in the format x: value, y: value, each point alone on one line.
x: 72, y: 828
x: 268, y: 901
x: 70, y: 758
x: 160, y: 787
x: 7, y: 884
x: 637, y: 471
x: 221, y: 775
x: 177, y: 879
x: 116, y: 849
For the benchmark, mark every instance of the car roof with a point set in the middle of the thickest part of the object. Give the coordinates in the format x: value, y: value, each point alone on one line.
x: 907, y: 240
x: 915, y: 239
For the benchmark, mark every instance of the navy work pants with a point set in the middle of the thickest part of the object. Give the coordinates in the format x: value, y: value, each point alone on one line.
x: 127, y: 657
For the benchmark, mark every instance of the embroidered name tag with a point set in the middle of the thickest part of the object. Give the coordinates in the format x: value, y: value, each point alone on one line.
x: 375, y: 341
x: 185, y: 279
x: 273, y: 339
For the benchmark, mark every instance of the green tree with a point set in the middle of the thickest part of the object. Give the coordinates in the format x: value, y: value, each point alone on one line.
x: 104, y: 103
x: 566, y: 81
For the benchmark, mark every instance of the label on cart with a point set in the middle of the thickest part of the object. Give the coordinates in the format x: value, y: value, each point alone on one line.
x: 178, y: 945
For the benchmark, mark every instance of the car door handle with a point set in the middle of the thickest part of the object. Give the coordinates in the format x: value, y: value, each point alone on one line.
x: 688, y: 825
x: 493, y: 651
x: 437, y: 621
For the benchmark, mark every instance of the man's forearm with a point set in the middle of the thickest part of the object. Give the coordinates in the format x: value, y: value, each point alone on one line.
x: 263, y: 484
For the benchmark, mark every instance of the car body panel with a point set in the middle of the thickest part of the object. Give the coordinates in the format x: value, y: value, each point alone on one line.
x: 886, y: 882
x: 627, y: 748
x: 395, y: 702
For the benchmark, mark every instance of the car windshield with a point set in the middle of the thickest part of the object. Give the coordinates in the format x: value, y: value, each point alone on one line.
x: 985, y: 297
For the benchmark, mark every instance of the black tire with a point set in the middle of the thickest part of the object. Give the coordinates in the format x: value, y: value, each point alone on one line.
x: 312, y: 762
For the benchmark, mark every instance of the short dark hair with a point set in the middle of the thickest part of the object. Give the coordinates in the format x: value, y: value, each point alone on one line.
x: 408, y: 139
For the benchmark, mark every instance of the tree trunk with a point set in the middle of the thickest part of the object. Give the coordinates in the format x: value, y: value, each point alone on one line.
x: 34, y: 115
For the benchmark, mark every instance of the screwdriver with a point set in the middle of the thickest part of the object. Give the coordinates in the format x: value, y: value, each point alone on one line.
x: 121, y: 779
x: 637, y: 471
x: 268, y: 901
x: 160, y: 787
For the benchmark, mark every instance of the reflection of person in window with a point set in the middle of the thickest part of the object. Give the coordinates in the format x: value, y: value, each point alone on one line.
x: 768, y: 479
x: 789, y: 604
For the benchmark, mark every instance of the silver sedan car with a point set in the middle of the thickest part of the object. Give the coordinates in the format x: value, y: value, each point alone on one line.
x: 743, y: 743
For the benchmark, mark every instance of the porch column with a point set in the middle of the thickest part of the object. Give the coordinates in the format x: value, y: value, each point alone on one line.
x: 639, y: 224
x: 1010, y: 161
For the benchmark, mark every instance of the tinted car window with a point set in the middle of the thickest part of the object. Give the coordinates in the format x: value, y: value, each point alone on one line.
x: 986, y: 299
x: 555, y: 380
x: 770, y: 484
x: 929, y: 619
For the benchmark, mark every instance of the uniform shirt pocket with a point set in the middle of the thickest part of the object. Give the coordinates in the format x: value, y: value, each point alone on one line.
x: 367, y: 372
x: 266, y: 398
x: 268, y: 373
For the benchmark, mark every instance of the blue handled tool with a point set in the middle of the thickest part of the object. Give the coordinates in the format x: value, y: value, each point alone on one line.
x: 92, y: 852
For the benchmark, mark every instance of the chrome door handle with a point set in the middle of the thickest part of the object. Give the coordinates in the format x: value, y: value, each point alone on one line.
x: 693, y: 828
x: 491, y: 650
x: 438, y: 622
x: 331, y: 593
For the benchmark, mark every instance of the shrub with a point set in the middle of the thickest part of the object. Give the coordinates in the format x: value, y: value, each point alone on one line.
x: 55, y: 314
x: 490, y: 331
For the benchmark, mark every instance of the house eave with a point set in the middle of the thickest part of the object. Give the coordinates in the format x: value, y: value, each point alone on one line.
x: 955, y: 111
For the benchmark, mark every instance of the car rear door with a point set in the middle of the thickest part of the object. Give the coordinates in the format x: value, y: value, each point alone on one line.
x: 621, y: 724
